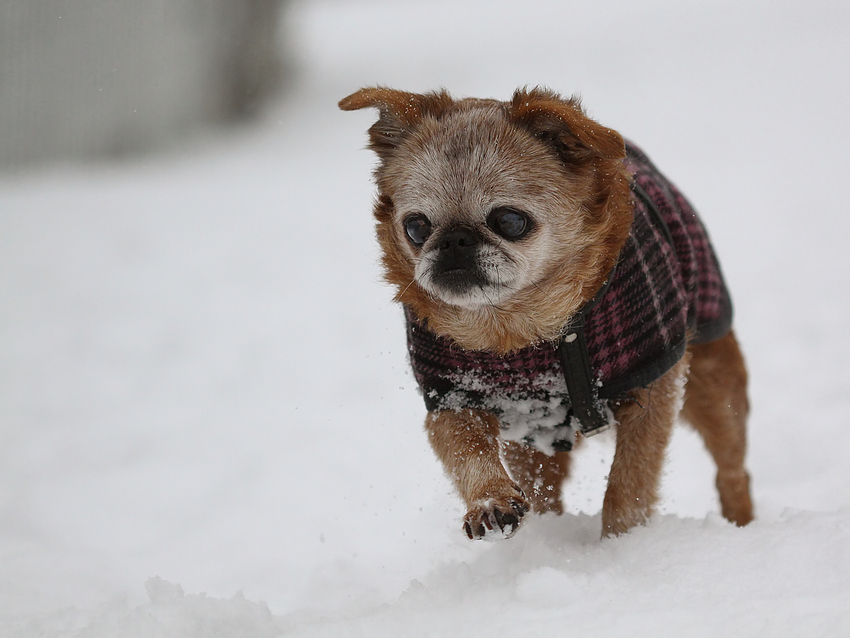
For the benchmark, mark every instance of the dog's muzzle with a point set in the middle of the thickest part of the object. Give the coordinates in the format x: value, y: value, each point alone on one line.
x: 456, y: 267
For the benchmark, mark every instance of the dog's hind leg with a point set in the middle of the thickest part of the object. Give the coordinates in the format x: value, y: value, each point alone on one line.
x: 644, y: 425
x: 467, y: 442
x: 716, y: 405
x: 539, y: 475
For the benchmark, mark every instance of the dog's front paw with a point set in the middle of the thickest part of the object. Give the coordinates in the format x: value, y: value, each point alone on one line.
x: 498, y: 516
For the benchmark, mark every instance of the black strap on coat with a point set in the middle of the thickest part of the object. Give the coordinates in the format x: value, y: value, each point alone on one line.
x: 585, y: 405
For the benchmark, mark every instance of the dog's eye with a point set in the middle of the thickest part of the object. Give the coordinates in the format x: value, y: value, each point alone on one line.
x: 509, y: 223
x: 417, y: 228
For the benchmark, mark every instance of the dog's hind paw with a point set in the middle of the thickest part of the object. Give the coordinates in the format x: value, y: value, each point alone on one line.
x: 495, y: 517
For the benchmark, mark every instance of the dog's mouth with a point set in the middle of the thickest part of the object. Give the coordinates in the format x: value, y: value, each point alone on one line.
x: 468, y: 286
x: 459, y: 281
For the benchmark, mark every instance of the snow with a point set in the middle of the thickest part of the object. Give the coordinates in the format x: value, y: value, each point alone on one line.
x: 534, y: 420
x: 207, y: 425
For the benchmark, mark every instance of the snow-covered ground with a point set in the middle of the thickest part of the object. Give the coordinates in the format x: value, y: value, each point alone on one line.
x: 207, y: 426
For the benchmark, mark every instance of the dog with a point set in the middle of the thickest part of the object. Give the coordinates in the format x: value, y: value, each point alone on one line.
x: 554, y: 283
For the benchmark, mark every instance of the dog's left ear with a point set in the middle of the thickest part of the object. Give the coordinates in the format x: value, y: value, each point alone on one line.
x: 563, y: 124
x: 401, y: 113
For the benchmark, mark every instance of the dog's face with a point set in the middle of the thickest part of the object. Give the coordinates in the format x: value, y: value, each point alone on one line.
x: 494, y: 215
x: 477, y: 212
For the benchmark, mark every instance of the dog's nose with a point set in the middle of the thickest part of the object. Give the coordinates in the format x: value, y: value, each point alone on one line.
x: 460, y: 241
x: 456, y: 268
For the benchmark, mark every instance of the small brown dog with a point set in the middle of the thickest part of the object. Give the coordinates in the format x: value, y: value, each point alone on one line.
x: 554, y: 282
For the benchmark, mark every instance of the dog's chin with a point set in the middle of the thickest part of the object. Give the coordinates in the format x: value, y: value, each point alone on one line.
x: 457, y: 290
x: 472, y: 300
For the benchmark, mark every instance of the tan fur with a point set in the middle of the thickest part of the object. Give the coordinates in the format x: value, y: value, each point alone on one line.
x: 716, y: 405
x: 467, y: 443
x: 539, y: 475
x: 452, y: 162
x: 644, y: 425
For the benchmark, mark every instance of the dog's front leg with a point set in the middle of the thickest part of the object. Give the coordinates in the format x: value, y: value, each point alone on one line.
x: 644, y: 425
x: 467, y: 443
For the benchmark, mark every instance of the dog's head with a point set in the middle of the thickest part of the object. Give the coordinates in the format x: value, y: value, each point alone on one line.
x: 497, y: 219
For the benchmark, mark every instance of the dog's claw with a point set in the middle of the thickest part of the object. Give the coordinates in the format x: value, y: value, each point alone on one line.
x: 504, y: 514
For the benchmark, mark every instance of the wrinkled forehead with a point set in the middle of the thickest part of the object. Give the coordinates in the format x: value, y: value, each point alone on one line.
x: 469, y: 162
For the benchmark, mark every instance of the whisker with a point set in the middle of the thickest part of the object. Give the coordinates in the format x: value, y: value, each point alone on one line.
x: 546, y: 294
x: 490, y: 303
x: 412, y: 281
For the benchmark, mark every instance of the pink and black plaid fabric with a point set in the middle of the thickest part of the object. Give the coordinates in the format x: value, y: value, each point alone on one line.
x: 667, y: 285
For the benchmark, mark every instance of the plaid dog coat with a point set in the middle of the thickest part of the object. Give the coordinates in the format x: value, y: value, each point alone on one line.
x: 666, y: 286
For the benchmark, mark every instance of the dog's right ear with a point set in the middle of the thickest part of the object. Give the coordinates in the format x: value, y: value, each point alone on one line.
x: 400, y: 112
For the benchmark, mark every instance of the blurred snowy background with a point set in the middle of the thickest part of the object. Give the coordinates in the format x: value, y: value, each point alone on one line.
x: 115, y: 77
x: 207, y: 427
